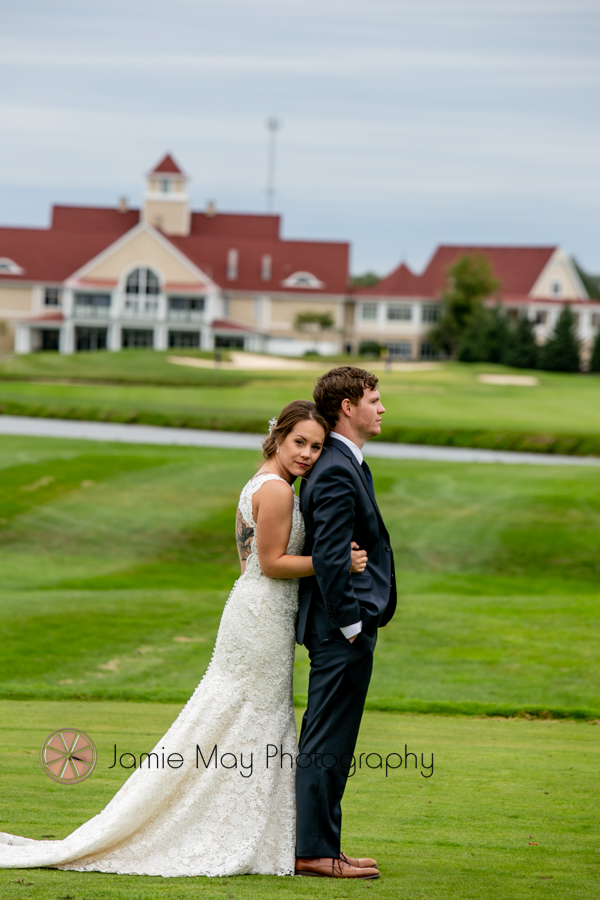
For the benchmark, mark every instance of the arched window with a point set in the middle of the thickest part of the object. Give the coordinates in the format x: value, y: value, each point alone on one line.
x: 142, y: 281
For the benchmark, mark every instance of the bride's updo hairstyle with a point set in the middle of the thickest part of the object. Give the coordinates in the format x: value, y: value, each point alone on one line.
x: 294, y: 412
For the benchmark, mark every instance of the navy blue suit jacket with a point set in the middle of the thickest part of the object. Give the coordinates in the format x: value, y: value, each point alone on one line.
x: 338, y: 507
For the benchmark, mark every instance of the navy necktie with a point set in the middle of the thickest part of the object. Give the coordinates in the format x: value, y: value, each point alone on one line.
x: 367, y: 472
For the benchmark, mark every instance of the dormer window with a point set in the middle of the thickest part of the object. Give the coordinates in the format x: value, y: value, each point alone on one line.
x: 556, y: 288
x: 142, y: 281
x: 265, y: 268
x: 9, y: 267
x: 232, y: 264
x: 303, y: 280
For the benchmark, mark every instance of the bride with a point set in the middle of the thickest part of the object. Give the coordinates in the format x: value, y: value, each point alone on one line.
x: 229, y: 808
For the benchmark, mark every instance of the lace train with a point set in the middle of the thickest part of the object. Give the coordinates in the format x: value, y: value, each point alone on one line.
x: 219, y: 818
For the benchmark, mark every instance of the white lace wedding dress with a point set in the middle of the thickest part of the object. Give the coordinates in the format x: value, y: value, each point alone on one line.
x: 209, y: 821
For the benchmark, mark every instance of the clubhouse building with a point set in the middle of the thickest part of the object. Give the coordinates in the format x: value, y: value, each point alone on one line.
x: 165, y: 276
x: 534, y: 281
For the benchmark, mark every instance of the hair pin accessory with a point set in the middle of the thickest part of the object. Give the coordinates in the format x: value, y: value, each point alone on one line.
x: 272, y: 424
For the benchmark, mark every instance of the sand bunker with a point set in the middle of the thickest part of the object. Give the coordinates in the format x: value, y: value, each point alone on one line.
x: 259, y: 361
x: 515, y: 380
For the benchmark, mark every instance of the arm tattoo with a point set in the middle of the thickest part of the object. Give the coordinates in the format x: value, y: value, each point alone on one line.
x: 243, y: 536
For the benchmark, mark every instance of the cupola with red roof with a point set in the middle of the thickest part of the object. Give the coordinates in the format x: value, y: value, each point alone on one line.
x: 166, y: 202
x: 167, y: 166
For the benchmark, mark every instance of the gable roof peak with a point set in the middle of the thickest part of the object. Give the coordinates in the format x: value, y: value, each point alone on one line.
x: 167, y: 166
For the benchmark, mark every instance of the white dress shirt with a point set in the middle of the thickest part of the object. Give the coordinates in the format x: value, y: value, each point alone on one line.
x: 350, y: 630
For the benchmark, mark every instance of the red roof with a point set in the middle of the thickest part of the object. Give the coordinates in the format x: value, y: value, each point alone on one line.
x: 249, y: 225
x: 95, y: 219
x: 228, y: 325
x: 167, y: 166
x: 79, y: 233
x: 401, y: 282
x: 328, y: 261
x: 49, y: 256
x: 516, y: 268
x: 48, y: 317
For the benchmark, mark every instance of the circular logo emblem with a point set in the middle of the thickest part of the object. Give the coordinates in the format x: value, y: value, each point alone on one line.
x: 68, y: 756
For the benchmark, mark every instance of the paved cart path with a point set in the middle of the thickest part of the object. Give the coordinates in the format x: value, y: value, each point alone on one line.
x: 190, y: 437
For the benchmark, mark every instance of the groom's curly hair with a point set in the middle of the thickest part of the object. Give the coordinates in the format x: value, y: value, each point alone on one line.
x: 345, y: 382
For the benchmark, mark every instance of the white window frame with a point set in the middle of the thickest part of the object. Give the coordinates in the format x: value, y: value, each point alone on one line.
x: 434, y: 308
x: 57, y: 302
x: 142, y: 282
x: 401, y: 355
x: 367, y: 309
x: 401, y: 308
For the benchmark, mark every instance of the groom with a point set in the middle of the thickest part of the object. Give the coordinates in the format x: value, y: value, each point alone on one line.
x: 339, y: 614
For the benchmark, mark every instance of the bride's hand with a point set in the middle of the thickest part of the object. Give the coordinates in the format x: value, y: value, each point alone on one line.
x: 359, y: 558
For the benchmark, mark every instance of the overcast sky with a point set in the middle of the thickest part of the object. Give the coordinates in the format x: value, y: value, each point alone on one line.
x: 406, y: 123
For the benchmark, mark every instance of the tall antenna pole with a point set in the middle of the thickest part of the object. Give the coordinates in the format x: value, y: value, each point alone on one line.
x: 273, y: 124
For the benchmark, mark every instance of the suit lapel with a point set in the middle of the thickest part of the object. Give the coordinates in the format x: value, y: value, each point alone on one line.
x: 339, y: 445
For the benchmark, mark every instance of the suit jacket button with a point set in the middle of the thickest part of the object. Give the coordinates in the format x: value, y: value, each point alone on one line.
x: 388, y: 548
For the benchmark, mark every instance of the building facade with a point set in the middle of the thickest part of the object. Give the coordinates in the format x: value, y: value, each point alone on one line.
x: 400, y: 310
x: 166, y: 276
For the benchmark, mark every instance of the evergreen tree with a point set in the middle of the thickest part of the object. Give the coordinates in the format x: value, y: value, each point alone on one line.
x: 498, y: 336
x: 595, y: 358
x: 473, y: 345
x: 486, y: 337
x: 560, y: 353
x: 590, y: 282
x: 522, y: 350
x: 368, y: 279
x: 470, y: 281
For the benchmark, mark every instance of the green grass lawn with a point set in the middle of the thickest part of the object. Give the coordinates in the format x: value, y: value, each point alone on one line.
x: 116, y: 562
x: 125, y: 367
x: 509, y: 812
x: 448, y: 397
x: 124, y: 556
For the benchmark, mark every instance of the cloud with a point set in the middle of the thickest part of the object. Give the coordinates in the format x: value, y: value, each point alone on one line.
x: 456, y: 153
x: 313, y: 62
x: 457, y: 119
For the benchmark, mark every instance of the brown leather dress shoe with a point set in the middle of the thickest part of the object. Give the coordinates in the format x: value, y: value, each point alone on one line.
x: 363, y: 862
x: 323, y: 867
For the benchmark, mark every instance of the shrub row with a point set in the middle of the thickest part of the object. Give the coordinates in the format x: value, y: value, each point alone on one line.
x: 391, y: 705
x: 525, y: 442
x: 518, y: 441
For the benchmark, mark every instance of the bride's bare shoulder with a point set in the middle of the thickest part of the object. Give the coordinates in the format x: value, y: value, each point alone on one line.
x: 274, y: 493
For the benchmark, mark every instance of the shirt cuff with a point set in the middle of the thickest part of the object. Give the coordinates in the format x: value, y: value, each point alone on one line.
x: 350, y: 630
